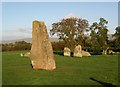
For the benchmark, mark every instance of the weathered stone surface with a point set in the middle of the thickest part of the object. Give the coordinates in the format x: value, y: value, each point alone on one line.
x: 77, y: 51
x: 41, y: 54
x: 84, y: 53
x: 66, y: 51
x: 27, y: 54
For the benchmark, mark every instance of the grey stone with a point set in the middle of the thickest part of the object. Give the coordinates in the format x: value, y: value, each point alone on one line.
x: 41, y: 54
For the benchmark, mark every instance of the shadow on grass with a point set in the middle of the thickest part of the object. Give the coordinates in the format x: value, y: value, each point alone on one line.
x: 103, y: 83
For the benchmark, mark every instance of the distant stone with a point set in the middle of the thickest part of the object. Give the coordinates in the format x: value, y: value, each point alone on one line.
x: 41, y: 54
x: 27, y: 54
x: 67, y: 51
x: 111, y: 52
x: 21, y: 54
x: 78, y: 51
x: 84, y: 53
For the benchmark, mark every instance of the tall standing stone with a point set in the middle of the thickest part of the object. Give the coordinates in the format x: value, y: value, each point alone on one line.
x: 41, y: 54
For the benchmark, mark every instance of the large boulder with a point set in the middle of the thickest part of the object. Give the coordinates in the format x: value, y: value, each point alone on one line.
x: 78, y: 51
x: 41, y: 54
x: 67, y: 51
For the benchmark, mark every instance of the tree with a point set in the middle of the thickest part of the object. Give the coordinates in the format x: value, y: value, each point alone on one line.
x: 99, y: 35
x: 58, y: 46
x: 95, y: 44
x: 70, y: 30
x: 117, y: 37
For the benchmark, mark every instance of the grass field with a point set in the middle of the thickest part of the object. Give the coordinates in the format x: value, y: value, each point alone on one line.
x: 94, y: 70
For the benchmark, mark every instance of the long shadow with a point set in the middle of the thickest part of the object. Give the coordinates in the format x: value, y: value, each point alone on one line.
x: 103, y: 83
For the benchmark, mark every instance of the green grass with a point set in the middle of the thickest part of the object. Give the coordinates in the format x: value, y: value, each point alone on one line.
x: 16, y: 70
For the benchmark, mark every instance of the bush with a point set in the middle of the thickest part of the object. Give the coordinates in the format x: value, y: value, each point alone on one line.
x: 97, y: 52
x: 58, y: 46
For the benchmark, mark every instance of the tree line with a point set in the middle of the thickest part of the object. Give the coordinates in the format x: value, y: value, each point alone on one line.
x: 18, y: 45
x: 74, y: 31
x: 22, y: 45
x: 57, y: 46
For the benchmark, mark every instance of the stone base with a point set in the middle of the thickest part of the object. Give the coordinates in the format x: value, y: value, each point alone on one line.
x: 44, y: 68
x: 66, y: 54
x: 84, y: 53
x: 77, y: 55
x: 36, y: 65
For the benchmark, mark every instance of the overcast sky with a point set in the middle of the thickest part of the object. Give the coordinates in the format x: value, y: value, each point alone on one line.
x: 17, y: 17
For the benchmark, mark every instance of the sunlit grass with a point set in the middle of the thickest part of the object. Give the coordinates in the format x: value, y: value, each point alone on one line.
x: 17, y: 70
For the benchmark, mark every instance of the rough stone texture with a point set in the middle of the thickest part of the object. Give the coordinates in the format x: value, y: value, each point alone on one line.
x: 41, y: 54
x: 84, y: 53
x: 77, y: 51
x: 66, y: 51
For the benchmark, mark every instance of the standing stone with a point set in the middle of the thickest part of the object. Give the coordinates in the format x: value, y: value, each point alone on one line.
x: 41, y: 54
x: 78, y: 51
x: 66, y: 51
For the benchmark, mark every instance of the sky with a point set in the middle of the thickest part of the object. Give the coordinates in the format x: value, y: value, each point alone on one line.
x: 59, y: 0
x: 17, y: 17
